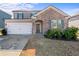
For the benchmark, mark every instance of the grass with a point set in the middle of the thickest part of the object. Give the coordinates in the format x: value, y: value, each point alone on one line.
x: 48, y: 47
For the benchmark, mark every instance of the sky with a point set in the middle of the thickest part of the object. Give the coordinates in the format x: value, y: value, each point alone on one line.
x: 69, y: 8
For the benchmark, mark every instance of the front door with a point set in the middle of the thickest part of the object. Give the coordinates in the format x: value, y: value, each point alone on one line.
x: 38, y: 28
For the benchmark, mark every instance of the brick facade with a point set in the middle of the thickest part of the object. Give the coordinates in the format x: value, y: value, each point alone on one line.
x: 48, y: 15
x: 44, y: 17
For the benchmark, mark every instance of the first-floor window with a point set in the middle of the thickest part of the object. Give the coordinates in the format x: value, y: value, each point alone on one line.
x: 57, y: 23
x: 53, y: 24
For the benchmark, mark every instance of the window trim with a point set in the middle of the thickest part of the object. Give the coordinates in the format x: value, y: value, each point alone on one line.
x: 57, y: 23
x: 20, y: 15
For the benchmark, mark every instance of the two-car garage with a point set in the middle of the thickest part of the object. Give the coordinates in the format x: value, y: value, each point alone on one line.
x: 19, y: 27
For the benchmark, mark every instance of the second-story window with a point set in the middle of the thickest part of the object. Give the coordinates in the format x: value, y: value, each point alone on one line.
x: 20, y: 15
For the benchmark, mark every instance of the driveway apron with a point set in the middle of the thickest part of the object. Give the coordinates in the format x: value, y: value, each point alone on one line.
x: 12, y: 45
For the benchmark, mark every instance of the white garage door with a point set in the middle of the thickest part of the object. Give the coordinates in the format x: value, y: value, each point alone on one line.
x: 19, y: 28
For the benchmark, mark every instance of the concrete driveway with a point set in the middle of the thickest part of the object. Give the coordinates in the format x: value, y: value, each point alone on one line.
x: 13, y: 43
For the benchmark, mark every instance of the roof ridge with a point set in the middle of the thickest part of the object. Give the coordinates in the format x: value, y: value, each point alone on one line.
x: 25, y: 10
x: 56, y: 9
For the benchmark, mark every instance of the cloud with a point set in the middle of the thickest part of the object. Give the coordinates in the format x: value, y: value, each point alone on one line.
x: 8, y: 7
x: 72, y: 11
x: 76, y: 11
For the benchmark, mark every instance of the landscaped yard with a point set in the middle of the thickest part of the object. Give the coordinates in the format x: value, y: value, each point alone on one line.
x: 48, y: 47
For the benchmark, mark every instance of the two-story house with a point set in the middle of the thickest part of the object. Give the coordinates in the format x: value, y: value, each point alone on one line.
x: 32, y: 22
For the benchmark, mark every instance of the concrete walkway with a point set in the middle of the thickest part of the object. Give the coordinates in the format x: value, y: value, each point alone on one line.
x: 12, y: 45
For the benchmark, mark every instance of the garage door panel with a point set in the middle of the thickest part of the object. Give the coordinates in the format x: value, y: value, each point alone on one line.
x: 19, y: 28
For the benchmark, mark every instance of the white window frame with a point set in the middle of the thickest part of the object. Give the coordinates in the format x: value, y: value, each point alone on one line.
x: 57, y: 23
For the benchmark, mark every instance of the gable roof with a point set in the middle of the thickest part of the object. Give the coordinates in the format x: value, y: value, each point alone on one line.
x: 4, y: 14
x: 74, y: 17
x: 1, y: 11
x: 54, y: 8
x: 34, y: 13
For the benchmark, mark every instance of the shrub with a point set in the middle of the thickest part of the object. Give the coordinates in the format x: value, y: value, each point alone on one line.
x: 48, y: 34
x: 53, y: 33
x: 70, y: 33
x: 67, y: 34
x: 3, y: 31
x: 56, y: 33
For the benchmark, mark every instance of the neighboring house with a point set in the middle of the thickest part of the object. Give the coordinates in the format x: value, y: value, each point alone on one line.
x: 74, y: 21
x: 32, y: 22
x: 3, y: 16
